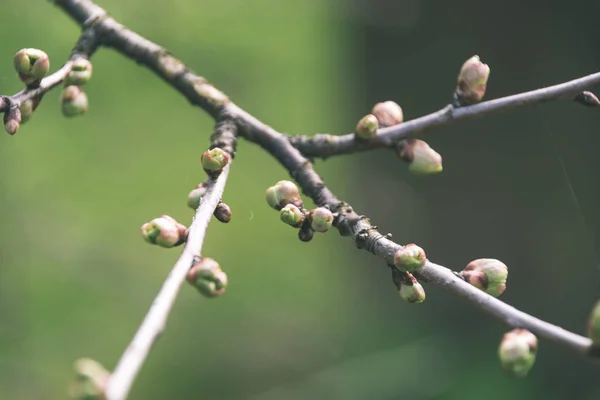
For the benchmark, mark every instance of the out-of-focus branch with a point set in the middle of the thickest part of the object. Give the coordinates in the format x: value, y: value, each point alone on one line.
x: 327, y: 145
x: 122, y: 378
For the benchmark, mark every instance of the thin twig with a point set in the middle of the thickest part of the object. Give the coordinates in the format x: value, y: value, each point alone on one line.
x: 327, y: 145
x: 122, y: 378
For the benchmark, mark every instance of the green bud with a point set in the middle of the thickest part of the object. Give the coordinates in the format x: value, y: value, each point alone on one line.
x: 74, y: 101
x: 321, y: 219
x: 12, y: 120
x: 214, y: 160
x: 517, y: 352
x: 305, y: 234
x: 81, y: 72
x: 282, y: 194
x: 206, y: 275
x: 32, y: 63
x: 223, y: 213
x: 472, y: 82
x: 588, y: 99
x: 26, y: 108
x: 486, y: 274
x: 388, y: 113
x: 164, y: 232
x: 367, y: 127
x: 195, y: 196
x: 90, y: 381
x: 408, y: 287
x: 410, y: 258
x: 422, y: 159
x: 594, y: 325
x: 292, y: 216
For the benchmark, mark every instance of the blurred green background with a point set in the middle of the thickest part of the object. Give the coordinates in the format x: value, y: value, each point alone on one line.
x: 301, y: 321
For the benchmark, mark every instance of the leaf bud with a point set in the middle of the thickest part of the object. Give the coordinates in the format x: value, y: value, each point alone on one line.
x: 517, y: 352
x: 196, y: 194
x: 422, y: 159
x: 472, y: 82
x: 367, y: 127
x: 410, y: 258
x: 81, y: 72
x: 594, y: 325
x: 90, y: 381
x: 292, y: 215
x: 206, y: 276
x: 165, y: 232
x: 321, y: 219
x: 32, y: 63
x: 12, y: 120
x: 223, y: 213
x: 486, y: 274
x: 74, y: 101
x: 283, y: 193
x: 214, y: 160
x: 388, y: 113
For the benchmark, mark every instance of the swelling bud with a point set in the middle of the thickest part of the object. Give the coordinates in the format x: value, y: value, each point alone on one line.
x: 164, y: 232
x: 486, y: 274
x: 388, y: 113
x: 12, y: 120
x: 594, y: 325
x: 421, y: 158
x: 410, y: 258
x: 409, y: 288
x: 81, y: 72
x: 517, y: 352
x: 90, y: 381
x: 214, y: 160
x: 321, y: 219
x: 472, y: 82
x: 74, y: 101
x: 223, y: 213
x: 32, y: 65
x: 206, y: 276
x: 195, y: 196
x: 292, y: 216
x: 367, y: 127
x: 283, y: 193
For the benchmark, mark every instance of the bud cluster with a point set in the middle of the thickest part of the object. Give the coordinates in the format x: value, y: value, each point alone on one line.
x: 165, y: 232
x: 383, y: 115
x: 206, y: 276
x: 284, y: 196
x: 73, y: 99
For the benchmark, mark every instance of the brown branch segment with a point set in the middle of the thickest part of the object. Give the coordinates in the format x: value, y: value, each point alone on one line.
x: 326, y: 145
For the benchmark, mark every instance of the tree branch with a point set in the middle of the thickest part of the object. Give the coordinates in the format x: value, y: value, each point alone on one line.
x: 292, y: 153
x: 326, y: 145
x: 122, y: 378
